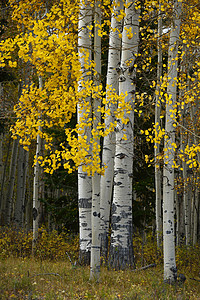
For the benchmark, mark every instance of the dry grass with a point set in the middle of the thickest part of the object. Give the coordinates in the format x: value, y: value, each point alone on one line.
x: 50, y: 275
x: 34, y: 279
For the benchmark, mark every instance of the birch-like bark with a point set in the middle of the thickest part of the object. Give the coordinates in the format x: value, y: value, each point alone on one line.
x: 36, y: 201
x: 95, y: 217
x: 84, y: 181
x: 35, y: 212
x: 170, y: 270
x: 109, y: 140
x: 157, y: 128
x: 121, y: 248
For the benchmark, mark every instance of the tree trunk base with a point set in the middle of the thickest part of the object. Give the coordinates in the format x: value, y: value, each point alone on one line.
x: 121, y: 258
x: 84, y: 257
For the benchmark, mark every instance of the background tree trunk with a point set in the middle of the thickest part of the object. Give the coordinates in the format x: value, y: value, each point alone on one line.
x: 157, y: 128
x: 18, y: 207
x: 10, y: 189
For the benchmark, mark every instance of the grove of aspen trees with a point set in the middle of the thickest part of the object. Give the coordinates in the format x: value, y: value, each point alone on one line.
x: 100, y: 124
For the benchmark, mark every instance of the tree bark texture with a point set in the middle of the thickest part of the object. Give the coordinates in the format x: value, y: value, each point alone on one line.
x: 170, y: 271
x: 36, y: 202
x: 95, y: 217
x: 109, y: 140
x: 121, y: 248
x: 84, y: 181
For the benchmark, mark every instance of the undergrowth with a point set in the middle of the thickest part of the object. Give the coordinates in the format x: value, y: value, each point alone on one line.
x: 50, y: 245
x: 51, y: 274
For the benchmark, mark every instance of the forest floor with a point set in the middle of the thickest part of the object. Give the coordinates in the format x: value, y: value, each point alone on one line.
x: 51, y: 273
x: 28, y: 278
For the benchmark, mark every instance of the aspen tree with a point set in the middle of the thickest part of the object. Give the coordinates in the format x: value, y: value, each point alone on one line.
x: 109, y: 140
x: 157, y: 128
x: 121, y: 248
x: 84, y: 180
x: 95, y: 246
x: 36, y: 202
x: 170, y: 271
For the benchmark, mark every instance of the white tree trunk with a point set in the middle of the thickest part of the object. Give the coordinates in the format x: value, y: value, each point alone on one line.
x: 121, y: 248
x: 84, y: 181
x: 109, y: 140
x: 170, y: 271
x: 157, y: 144
x: 95, y: 217
x: 36, y: 201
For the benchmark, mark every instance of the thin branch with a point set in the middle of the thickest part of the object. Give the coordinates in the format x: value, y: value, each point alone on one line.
x: 195, y: 279
x: 197, y: 136
x: 145, y: 267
